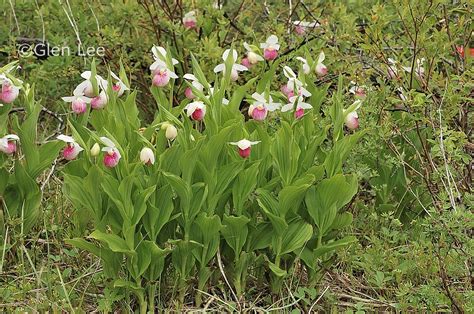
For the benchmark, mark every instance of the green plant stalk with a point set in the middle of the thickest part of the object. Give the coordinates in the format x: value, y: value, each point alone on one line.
x: 277, y: 281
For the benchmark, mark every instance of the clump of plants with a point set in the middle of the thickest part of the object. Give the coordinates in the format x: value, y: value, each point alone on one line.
x: 205, y: 194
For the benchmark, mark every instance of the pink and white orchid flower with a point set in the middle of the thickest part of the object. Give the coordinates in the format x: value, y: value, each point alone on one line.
x: 188, y: 92
x: 252, y: 57
x: 86, y: 88
x: 261, y: 106
x: 119, y: 87
x: 78, y: 103
x: 236, y: 68
x: 357, y: 91
x: 244, y: 147
x: 305, y: 66
x: 294, y: 84
x: 419, y: 69
x: 159, y: 54
x: 161, y: 71
x: 270, y: 48
x: 301, y: 26
x: 8, y: 144
x: 296, y: 103
x: 72, y: 148
x: 321, y: 69
x: 147, y: 156
x: 9, y: 92
x: 196, y: 110
x: 351, y: 118
x: 112, y: 156
x: 189, y: 20
x: 100, y: 101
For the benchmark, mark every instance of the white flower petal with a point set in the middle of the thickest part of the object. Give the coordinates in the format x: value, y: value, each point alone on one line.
x: 272, y: 40
x: 65, y: 138
x: 107, y: 142
x: 86, y: 75
x: 287, y: 107
x: 239, y: 67
x: 190, y: 76
x: 219, y: 68
x: 321, y: 57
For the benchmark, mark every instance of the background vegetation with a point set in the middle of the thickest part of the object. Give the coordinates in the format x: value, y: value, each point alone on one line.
x: 413, y: 216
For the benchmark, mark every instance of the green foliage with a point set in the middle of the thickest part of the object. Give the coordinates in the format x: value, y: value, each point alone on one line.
x: 319, y: 217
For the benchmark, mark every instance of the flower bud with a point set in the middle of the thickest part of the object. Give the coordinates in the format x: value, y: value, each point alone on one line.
x: 95, y: 150
x: 147, y: 156
x: 171, y: 132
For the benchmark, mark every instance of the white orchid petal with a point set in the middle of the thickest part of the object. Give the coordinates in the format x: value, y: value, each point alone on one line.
x: 287, y: 107
x: 239, y: 67
x: 173, y: 75
x: 247, y: 47
x: 65, y: 138
x: 321, y: 57
x: 272, y: 40
x: 86, y: 75
x: 11, y: 137
x: 190, y: 76
x: 107, y: 142
x: 219, y: 68
x: 259, y: 97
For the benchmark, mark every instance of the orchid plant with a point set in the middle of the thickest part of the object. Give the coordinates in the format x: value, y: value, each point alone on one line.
x: 182, y: 194
x: 185, y: 157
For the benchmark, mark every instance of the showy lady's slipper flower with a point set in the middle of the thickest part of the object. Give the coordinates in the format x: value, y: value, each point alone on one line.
x: 270, y: 48
x: 196, y: 110
x: 305, y: 66
x: 357, y: 91
x: 72, y: 148
x: 301, y: 26
x: 296, y: 103
x: 252, y: 57
x: 159, y: 54
x: 112, y: 156
x: 236, y: 68
x: 162, y: 76
x: 351, y: 119
x: 244, y: 147
x: 294, y: 84
x: 287, y: 91
x: 147, y: 156
x: 419, y: 69
x: 161, y: 72
x: 392, y: 71
x: 100, y: 101
x: 9, y: 92
x: 119, y: 87
x: 188, y: 92
x: 8, y: 144
x: 321, y: 69
x: 260, y: 108
x: 189, y: 20
x: 78, y: 103
x: 86, y: 88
